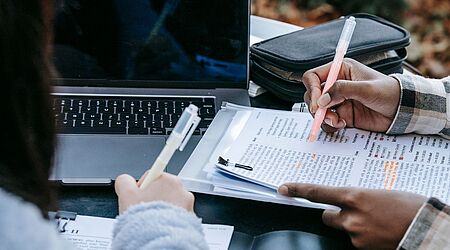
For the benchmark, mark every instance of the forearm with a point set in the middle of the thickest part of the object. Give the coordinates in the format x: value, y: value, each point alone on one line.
x: 424, y: 106
x: 430, y: 228
x: 158, y: 225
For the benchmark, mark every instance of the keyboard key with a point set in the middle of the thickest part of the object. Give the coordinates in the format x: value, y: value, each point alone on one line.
x: 74, y: 116
x: 124, y: 110
x: 137, y: 131
x: 69, y: 109
x: 98, y: 123
x: 136, y: 124
x: 106, y: 110
x: 125, y: 116
x: 92, y: 116
x: 157, y: 131
x: 210, y: 101
x: 82, y: 123
x: 89, y: 110
x: 110, y: 117
x: 94, y: 130
x: 168, y: 124
x: 138, y: 110
x: 81, y: 102
x: 98, y: 103
x: 120, y: 124
x: 143, y: 117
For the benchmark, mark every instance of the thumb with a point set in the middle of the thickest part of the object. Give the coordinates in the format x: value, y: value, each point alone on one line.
x: 344, y: 90
x: 125, y: 184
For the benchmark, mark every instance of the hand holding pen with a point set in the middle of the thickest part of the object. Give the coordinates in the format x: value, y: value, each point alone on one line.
x: 155, y: 185
x: 341, y: 50
x: 178, y: 139
x: 361, y: 97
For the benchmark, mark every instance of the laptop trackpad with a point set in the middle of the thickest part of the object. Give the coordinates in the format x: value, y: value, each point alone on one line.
x: 104, y: 156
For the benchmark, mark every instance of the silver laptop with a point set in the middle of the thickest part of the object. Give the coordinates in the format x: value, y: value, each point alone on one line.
x: 128, y: 68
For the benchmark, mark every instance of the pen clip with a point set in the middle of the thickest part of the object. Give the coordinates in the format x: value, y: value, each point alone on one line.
x: 186, y: 138
x: 227, y: 163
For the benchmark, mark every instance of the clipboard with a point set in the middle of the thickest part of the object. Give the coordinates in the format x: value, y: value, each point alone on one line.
x: 220, y: 135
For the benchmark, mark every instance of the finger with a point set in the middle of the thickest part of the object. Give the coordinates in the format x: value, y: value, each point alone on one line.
x: 345, y: 115
x: 142, y: 179
x: 125, y: 184
x: 166, y: 180
x: 331, y: 118
x: 318, y: 74
x: 344, y: 90
x: 328, y: 129
x: 315, y: 193
x: 307, y: 100
x: 332, y: 218
x: 324, y: 100
x: 313, y: 80
x: 330, y: 121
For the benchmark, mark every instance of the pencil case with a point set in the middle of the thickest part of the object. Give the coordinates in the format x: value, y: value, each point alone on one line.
x: 278, y: 64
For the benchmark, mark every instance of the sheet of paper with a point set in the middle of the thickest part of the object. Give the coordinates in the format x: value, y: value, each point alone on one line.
x: 218, y: 237
x: 90, y: 233
x: 275, y: 145
x: 95, y: 233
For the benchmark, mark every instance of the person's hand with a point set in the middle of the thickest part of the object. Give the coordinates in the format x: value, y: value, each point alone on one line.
x: 374, y: 219
x: 361, y: 97
x: 166, y: 188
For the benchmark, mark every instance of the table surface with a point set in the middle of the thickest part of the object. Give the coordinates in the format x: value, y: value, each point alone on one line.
x: 250, y: 217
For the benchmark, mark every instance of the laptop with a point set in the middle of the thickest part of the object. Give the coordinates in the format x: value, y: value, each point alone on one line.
x: 127, y: 69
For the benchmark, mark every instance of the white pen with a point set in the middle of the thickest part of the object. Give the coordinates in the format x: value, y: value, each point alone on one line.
x: 178, y: 139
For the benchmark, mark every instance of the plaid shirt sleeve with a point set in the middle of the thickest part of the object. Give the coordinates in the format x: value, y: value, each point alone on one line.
x: 430, y: 228
x: 424, y: 106
x: 425, y: 109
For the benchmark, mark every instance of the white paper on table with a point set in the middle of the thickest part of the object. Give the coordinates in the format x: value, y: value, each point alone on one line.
x: 95, y: 233
x: 90, y: 233
x: 218, y: 237
x: 275, y: 144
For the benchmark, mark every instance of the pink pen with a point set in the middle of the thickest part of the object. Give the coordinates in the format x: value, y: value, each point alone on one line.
x: 341, y: 50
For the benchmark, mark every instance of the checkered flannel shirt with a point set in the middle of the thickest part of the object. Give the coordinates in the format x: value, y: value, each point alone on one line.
x: 425, y: 109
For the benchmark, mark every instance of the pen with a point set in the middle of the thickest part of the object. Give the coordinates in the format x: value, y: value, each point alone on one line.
x: 178, y: 139
x: 341, y: 50
x: 227, y: 163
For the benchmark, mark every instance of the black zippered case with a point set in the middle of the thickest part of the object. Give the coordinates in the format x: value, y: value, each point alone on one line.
x: 277, y: 64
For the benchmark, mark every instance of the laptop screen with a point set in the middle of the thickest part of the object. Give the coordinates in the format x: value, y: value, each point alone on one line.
x: 145, y: 41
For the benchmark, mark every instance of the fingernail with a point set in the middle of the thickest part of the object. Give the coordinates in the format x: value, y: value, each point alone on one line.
x: 329, y: 122
x: 324, y: 100
x: 312, y: 110
x: 342, y: 123
x: 283, y: 190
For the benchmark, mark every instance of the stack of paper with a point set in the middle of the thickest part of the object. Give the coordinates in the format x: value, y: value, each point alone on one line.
x: 274, y: 144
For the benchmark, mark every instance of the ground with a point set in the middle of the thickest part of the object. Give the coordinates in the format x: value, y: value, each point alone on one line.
x: 427, y: 20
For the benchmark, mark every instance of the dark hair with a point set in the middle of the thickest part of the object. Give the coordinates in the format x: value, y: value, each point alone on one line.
x: 27, y: 135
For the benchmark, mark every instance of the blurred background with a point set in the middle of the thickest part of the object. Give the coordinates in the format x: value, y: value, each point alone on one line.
x: 427, y: 20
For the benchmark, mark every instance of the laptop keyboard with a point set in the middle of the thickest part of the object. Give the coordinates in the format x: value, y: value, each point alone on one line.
x: 126, y: 115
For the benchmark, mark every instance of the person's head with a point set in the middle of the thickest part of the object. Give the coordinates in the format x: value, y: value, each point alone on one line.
x: 27, y: 134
